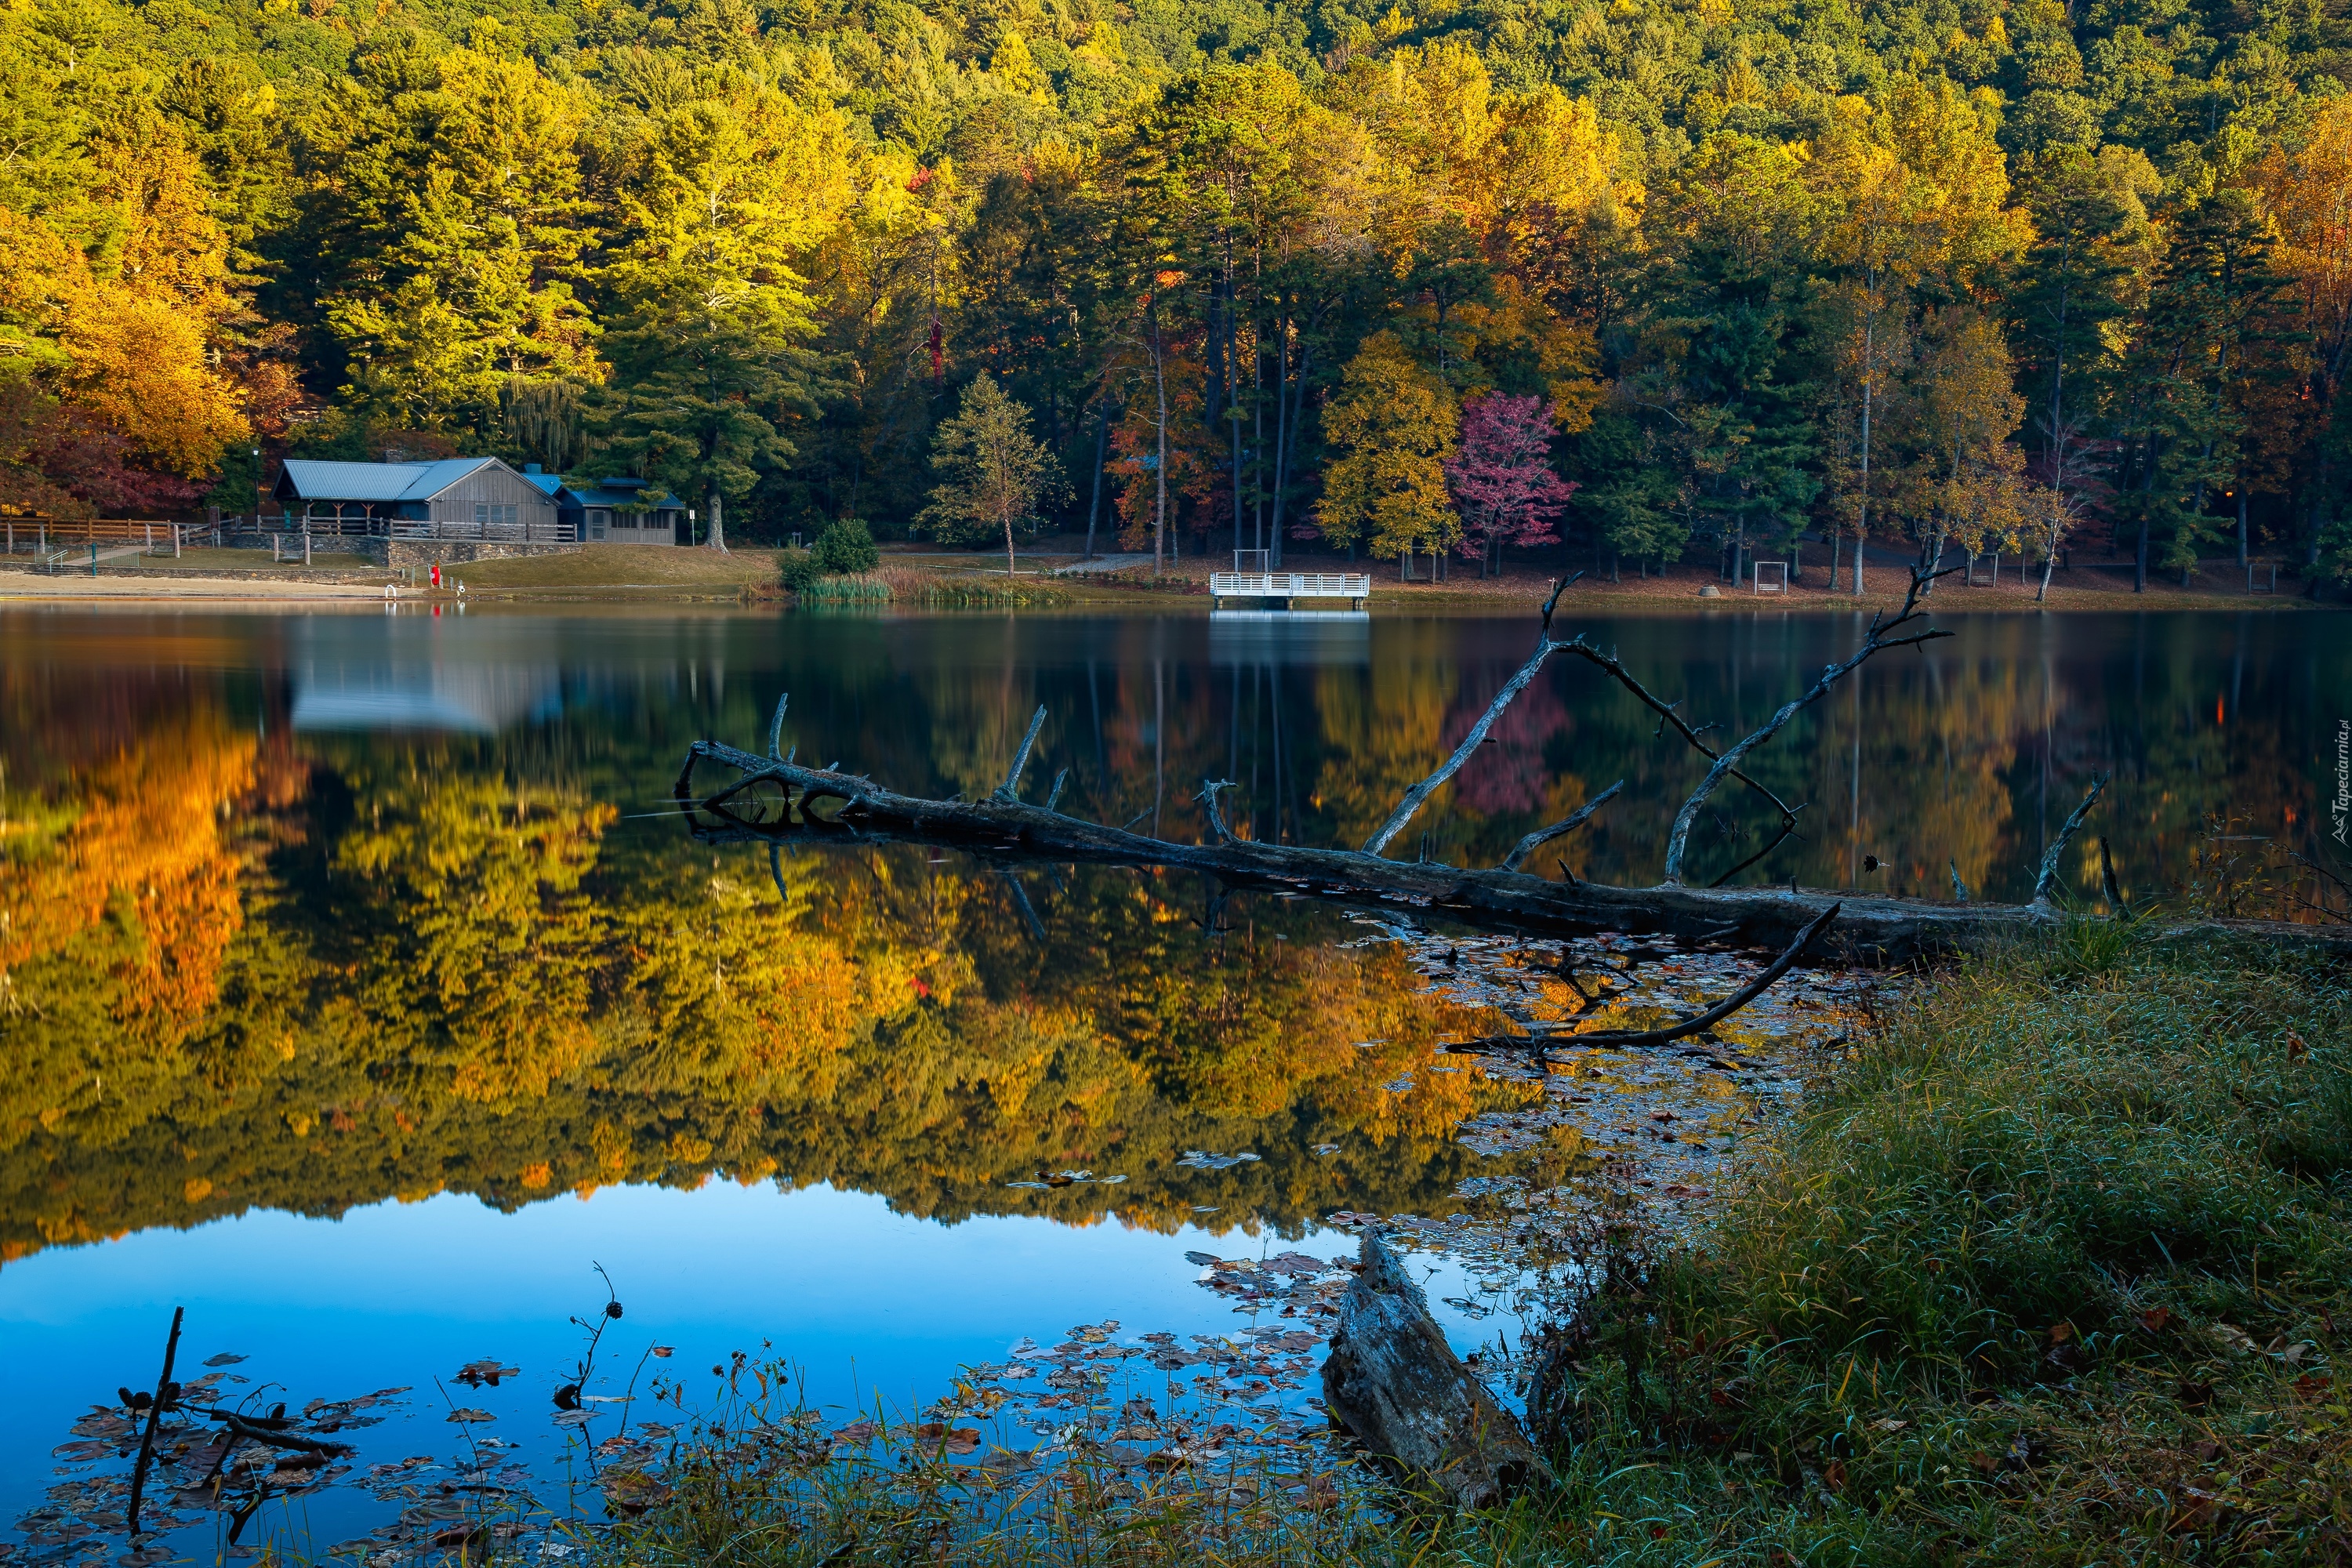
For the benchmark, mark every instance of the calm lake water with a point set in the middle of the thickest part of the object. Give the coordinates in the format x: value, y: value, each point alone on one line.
x: 360, y: 992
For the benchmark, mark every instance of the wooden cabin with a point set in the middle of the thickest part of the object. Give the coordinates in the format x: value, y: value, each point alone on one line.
x: 455, y: 497
x: 620, y: 511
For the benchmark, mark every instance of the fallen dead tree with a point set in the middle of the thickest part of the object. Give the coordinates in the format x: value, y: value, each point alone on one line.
x: 775, y: 800
x: 1398, y: 1387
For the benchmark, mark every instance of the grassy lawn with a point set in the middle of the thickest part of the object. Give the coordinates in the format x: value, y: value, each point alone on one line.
x: 661, y: 566
x: 2048, y: 1276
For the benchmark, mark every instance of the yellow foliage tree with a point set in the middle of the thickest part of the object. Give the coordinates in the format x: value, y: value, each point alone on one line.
x: 1393, y: 426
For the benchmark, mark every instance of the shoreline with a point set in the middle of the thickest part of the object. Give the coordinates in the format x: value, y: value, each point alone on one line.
x: 1964, y: 1309
x: 745, y: 579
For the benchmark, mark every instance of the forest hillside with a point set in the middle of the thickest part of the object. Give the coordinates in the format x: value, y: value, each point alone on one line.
x: 1652, y: 280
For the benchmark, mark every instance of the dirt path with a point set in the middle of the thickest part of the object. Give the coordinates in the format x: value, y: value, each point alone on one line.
x: 19, y: 585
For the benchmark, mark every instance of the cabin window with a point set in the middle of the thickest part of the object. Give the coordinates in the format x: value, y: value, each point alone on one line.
x: 494, y: 516
x: 599, y: 522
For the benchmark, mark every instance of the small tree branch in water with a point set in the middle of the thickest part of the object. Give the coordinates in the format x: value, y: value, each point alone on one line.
x: 1707, y: 1020
x: 2045, y: 882
x: 1561, y: 829
x: 165, y: 1391
x: 1875, y: 641
x: 1011, y: 788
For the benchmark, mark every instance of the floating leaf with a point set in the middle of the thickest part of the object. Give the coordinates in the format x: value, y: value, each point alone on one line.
x: 938, y: 1438
x: 632, y: 1491
x: 470, y: 1416
x: 224, y: 1359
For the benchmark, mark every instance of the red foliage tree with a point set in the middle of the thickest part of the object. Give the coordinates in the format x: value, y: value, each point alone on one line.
x: 59, y: 460
x: 1502, y: 478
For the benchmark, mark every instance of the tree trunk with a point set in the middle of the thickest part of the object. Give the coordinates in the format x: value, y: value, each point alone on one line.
x: 1862, y: 525
x: 1094, y: 506
x: 1869, y: 929
x: 1160, y: 498
x: 718, y: 505
x: 1233, y: 389
x: 1281, y: 428
x: 1398, y: 1387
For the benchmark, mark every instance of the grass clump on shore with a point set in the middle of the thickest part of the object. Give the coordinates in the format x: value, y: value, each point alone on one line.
x: 2052, y: 1272
x: 862, y: 588
x: 960, y: 590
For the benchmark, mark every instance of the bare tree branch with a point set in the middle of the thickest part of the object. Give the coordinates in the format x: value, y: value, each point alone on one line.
x: 1608, y: 664
x: 1875, y: 641
x: 1208, y: 799
x: 2045, y: 882
x: 1011, y: 788
x: 1565, y: 825
x: 1421, y: 792
x: 1708, y: 1019
x: 1788, y: 828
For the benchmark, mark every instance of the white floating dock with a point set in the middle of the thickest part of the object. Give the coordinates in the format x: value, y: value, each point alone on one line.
x: 1355, y: 587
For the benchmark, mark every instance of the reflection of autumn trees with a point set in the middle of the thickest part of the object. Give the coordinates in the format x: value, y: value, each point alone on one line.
x: 443, y: 987
x: 119, y: 901
x: 242, y: 968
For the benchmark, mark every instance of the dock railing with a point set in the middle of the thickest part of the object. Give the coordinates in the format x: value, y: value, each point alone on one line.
x: 1290, y: 585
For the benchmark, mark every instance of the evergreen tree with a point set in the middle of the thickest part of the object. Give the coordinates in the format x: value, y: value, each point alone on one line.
x: 710, y: 319
x: 994, y: 473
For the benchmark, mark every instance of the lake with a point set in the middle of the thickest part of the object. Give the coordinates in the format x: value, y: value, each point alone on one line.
x: 361, y: 993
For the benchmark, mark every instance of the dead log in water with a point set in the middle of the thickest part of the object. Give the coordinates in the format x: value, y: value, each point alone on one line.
x: 775, y: 800
x: 1402, y: 1393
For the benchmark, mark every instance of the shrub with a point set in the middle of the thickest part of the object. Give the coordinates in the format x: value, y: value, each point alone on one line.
x: 847, y: 547
x: 797, y: 569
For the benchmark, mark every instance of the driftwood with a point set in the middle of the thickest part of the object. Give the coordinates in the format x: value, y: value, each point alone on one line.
x: 166, y: 1391
x: 775, y: 800
x: 1400, y: 1390
x: 821, y: 806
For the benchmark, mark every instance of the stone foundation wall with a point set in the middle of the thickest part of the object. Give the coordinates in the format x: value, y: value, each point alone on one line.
x: 402, y: 552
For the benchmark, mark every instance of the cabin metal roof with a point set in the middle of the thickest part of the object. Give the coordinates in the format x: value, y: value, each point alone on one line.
x: 621, y: 491
x: 314, y: 481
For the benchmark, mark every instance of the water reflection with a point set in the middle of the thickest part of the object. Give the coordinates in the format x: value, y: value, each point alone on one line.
x: 476, y: 675
x: 252, y: 957
x: 306, y: 913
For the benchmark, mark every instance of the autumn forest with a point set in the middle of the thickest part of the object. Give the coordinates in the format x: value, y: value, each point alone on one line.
x: 1671, y: 278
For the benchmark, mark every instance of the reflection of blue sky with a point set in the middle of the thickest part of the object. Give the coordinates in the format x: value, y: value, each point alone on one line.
x: 1286, y: 637
x: 474, y: 675
x: 863, y: 1299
